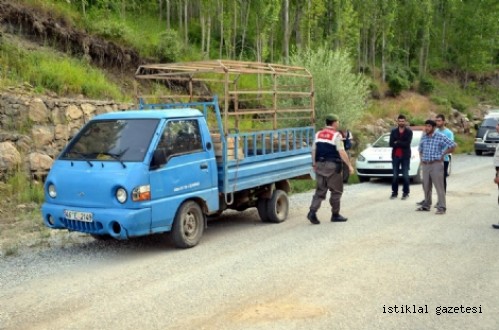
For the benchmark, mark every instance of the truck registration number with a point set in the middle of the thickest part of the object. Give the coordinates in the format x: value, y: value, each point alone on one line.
x: 78, y: 216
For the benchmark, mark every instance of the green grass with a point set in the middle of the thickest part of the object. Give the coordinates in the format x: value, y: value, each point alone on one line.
x: 48, y: 70
x: 23, y: 190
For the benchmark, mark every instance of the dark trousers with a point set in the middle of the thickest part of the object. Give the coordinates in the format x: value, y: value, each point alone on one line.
x: 328, y: 178
x: 400, y: 165
x: 446, y: 174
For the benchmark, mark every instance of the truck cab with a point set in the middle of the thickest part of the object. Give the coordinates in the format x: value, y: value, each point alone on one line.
x: 121, y: 172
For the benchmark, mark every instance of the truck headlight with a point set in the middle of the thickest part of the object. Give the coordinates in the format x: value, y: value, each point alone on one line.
x: 141, y: 193
x: 51, y: 190
x: 121, y: 195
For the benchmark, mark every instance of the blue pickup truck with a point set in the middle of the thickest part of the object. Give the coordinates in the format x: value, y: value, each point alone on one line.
x: 161, y: 168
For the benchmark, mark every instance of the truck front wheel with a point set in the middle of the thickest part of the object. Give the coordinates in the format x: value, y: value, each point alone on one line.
x: 278, y: 207
x: 188, y: 225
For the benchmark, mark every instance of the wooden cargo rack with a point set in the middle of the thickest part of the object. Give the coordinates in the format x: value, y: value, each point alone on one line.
x: 284, y: 94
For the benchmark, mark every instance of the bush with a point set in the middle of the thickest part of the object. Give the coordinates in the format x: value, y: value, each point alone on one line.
x: 398, y: 78
x: 426, y: 86
x: 169, y: 46
x: 110, y: 29
x: 397, y: 84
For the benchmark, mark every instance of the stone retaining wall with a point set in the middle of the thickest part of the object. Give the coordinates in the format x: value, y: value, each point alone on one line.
x: 34, y: 129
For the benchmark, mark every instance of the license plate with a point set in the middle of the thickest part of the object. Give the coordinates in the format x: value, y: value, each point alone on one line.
x: 79, y: 216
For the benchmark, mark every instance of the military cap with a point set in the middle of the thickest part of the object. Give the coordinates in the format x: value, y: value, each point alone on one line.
x: 331, y: 117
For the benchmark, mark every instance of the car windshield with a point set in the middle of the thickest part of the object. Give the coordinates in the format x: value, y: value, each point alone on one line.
x: 384, y: 140
x: 113, y: 140
x: 490, y: 122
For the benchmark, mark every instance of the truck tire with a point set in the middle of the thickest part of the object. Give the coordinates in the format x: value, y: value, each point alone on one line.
x: 261, y: 206
x: 188, y: 225
x: 278, y: 207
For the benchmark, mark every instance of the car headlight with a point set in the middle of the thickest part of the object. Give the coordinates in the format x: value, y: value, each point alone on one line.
x: 141, y: 193
x: 479, y: 140
x: 51, y: 190
x: 121, y: 195
x: 361, y: 158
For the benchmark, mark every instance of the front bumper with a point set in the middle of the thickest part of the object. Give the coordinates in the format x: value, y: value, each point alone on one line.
x: 118, y: 223
x: 485, y: 147
x: 382, y: 169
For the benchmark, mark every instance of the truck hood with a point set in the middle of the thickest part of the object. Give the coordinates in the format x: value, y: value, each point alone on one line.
x: 79, y: 184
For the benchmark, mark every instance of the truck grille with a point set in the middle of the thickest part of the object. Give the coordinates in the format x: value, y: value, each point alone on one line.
x: 86, y: 227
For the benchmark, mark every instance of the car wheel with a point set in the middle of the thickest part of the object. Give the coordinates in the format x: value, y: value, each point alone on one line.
x: 418, y: 178
x: 363, y: 178
x: 478, y: 152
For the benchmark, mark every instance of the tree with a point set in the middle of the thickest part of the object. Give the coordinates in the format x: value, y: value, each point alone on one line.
x: 337, y: 88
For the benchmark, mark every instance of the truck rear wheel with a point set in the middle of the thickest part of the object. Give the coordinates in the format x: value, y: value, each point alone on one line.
x: 261, y: 206
x: 278, y: 207
x: 188, y: 225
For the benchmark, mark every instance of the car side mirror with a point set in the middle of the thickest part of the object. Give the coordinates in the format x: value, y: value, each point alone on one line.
x: 369, y: 145
x: 158, y: 158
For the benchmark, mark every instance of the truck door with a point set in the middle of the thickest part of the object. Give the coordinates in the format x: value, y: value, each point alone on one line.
x: 188, y: 171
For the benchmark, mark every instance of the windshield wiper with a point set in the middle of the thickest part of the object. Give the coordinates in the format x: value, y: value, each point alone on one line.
x: 115, y: 156
x: 83, y: 155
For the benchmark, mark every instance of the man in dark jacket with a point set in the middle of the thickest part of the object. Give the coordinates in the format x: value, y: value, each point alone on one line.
x: 400, y: 141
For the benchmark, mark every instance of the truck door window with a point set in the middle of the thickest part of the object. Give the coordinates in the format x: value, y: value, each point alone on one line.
x: 180, y: 137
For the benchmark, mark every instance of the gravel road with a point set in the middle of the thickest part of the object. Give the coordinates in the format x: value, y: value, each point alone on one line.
x: 251, y: 275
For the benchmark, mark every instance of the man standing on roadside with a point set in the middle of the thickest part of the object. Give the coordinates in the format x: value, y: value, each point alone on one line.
x: 496, y: 164
x: 328, y: 155
x: 400, y: 142
x: 432, y: 149
x: 440, y: 120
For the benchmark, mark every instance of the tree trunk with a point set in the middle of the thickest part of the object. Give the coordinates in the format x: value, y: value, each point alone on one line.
x: 244, y: 28
x: 296, y: 28
x: 373, y: 49
x: 383, y: 45
x: 168, y: 14
x: 208, y: 37
x: 202, y: 22
x: 160, y: 4
x: 286, y: 31
x: 180, y: 19
x: 186, y: 30
x: 220, y: 7
x: 234, y: 32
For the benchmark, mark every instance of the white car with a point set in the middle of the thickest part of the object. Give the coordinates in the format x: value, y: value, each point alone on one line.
x: 376, y: 160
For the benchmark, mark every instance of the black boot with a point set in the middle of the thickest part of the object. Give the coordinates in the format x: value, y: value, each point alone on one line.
x: 313, y: 218
x: 338, y: 218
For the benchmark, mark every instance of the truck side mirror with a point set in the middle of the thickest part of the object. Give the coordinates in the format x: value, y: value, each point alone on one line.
x: 158, y: 158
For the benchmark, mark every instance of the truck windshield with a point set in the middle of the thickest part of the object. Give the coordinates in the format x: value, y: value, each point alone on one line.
x: 124, y: 140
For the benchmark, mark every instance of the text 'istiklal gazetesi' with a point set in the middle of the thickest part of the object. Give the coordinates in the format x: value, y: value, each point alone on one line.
x: 423, y: 309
